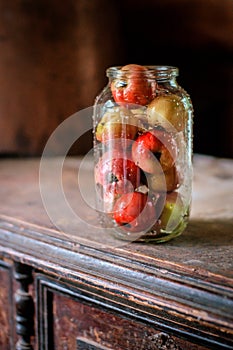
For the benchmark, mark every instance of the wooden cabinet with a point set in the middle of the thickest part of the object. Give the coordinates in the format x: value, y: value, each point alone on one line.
x: 71, y: 290
x: 80, y: 320
x: 6, y: 307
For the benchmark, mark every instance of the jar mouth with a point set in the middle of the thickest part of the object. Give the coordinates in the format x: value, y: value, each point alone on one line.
x: 159, y: 72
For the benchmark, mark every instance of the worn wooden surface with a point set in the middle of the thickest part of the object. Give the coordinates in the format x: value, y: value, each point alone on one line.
x: 183, y: 287
x: 206, y: 243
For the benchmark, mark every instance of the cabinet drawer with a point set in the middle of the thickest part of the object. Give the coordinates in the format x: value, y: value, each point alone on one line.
x: 88, y: 327
x: 68, y: 321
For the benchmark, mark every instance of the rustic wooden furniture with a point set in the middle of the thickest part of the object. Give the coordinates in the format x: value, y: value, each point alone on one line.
x: 83, y: 289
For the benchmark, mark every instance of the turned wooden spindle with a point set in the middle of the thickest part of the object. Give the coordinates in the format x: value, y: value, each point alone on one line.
x: 24, y: 307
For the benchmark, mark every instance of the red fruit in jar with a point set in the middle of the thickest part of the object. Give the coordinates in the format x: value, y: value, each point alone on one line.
x: 114, y: 167
x: 133, y: 87
x: 112, y: 191
x: 135, y: 68
x: 134, y: 211
x: 168, y: 151
x: 154, y: 151
x: 143, y: 150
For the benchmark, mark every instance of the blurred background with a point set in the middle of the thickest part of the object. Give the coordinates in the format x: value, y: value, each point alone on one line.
x: 53, y: 57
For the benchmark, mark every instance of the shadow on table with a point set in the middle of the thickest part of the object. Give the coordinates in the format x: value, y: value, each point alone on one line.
x: 211, y: 232
x: 204, y: 245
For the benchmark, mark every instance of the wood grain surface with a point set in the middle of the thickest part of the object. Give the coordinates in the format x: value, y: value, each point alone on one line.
x: 183, y: 287
x: 207, y: 241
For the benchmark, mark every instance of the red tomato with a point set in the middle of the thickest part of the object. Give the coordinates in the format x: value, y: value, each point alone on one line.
x: 109, y: 170
x: 135, y: 89
x: 143, y: 152
x: 151, y: 143
x: 112, y: 191
x: 135, y: 211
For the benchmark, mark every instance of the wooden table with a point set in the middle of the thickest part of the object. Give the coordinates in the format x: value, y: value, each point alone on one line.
x: 65, y: 283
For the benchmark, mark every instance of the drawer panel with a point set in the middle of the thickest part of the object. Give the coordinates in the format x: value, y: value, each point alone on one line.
x: 73, y: 320
x: 72, y: 323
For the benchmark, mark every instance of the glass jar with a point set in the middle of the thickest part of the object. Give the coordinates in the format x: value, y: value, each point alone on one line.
x: 142, y: 127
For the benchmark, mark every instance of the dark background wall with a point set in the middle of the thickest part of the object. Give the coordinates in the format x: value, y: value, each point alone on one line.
x: 53, y: 57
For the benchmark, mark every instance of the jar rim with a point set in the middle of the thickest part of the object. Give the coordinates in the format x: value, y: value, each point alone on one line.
x: 151, y: 71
